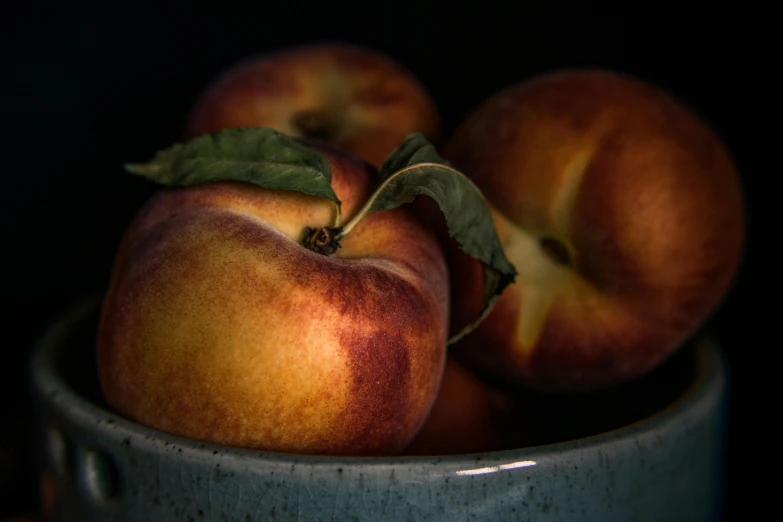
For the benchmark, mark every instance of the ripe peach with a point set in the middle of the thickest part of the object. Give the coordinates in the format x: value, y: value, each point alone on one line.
x: 220, y: 326
x: 621, y: 210
x: 356, y: 98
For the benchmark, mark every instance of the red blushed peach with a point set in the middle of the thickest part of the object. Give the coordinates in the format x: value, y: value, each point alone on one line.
x: 355, y: 98
x: 621, y: 210
x: 220, y: 326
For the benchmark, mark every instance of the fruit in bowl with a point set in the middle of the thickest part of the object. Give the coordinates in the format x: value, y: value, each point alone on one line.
x: 219, y: 326
x: 275, y: 295
x: 359, y: 99
x: 623, y: 212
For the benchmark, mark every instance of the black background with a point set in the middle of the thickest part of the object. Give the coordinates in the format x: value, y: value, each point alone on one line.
x: 83, y: 92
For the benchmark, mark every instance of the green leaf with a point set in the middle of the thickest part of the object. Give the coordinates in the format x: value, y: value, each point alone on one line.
x: 414, y: 169
x: 257, y: 155
x: 415, y: 149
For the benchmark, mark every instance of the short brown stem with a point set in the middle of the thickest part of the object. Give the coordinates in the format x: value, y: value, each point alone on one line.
x: 322, y: 240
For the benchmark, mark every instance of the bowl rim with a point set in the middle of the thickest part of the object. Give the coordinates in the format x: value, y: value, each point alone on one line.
x: 706, y: 388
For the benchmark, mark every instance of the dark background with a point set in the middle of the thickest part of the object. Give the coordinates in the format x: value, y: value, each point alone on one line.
x: 83, y: 92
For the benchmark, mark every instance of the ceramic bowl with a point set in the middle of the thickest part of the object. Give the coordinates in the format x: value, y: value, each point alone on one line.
x: 665, y: 466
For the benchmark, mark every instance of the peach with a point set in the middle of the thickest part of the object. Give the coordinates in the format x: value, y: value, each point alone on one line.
x: 219, y: 325
x: 621, y: 209
x: 469, y: 416
x: 358, y: 99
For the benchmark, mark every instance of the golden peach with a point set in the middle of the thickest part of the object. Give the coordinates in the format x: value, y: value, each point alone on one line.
x: 623, y: 213
x: 359, y: 99
x: 219, y: 325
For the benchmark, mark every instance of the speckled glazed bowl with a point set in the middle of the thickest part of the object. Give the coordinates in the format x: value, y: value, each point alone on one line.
x: 666, y: 466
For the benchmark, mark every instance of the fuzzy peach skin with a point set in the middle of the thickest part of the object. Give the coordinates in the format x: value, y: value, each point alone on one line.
x: 621, y: 210
x: 219, y: 326
x: 356, y: 98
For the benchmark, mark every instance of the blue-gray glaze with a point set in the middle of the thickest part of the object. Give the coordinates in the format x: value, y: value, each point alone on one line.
x: 667, y: 467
